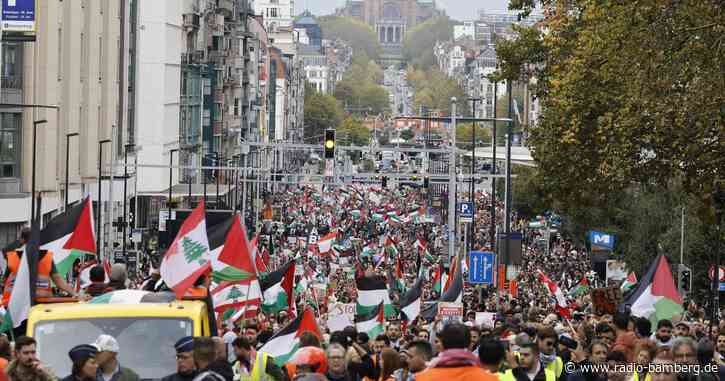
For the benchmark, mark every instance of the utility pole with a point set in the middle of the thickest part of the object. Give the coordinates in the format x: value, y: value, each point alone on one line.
x: 472, y: 233
x: 494, y: 169
x: 452, y: 185
x: 508, y: 172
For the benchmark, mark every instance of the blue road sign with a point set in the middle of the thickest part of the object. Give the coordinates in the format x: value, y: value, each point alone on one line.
x: 722, y: 286
x: 481, y: 267
x: 465, y: 210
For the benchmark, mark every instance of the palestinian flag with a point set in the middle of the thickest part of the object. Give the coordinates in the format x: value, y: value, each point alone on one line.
x: 630, y: 282
x: 390, y: 247
x: 325, y: 243
x: 555, y: 292
x: 420, y: 244
x: 454, y: 290
x: 133, y: 297
x: 21, y: 297
x: 70, y: 235
x: 410, y: 302
x: 283, y: 345
x: 581, y: 288
x: 188, y: 256
x: 236, y: 294
x: 370, y: 292
x: 231, y: 253
x: 373, y: 323
x: 277, y: 289
x: 656, y: 296
x: 438, y: 279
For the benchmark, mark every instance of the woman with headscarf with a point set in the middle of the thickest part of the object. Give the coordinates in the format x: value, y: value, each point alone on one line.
x: 84, y: 363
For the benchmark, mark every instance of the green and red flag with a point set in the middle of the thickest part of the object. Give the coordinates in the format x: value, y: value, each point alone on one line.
x: 70, y: 235
x: 656, y: 297
x: 629, y: 282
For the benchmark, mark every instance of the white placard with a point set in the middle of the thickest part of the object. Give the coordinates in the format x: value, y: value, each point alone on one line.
x: 340, y: 315
x: 485, y: 319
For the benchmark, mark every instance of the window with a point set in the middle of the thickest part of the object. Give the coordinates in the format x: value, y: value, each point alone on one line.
x: 273, y: 12
x: 236, y: 106
x: 10, y: 144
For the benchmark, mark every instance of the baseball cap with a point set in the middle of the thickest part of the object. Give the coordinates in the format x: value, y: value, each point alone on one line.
x: 106, y: 343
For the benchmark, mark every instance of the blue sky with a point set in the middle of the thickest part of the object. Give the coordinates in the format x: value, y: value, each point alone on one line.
x: 457, y: 9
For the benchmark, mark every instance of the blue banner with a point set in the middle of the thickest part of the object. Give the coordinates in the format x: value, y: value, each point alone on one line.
x: 601, y: 241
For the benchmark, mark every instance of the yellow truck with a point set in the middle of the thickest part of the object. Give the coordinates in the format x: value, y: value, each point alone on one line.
x: 145, y: 331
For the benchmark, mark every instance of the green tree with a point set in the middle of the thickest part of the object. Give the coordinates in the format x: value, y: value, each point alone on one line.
x: 359, y: 90
x: 359, y: 35
x: 407, y: 135
x: 433, y: 90
x: 321, y: 112
x: 419, y: 41
x: 631, y: 92
x: 352, y: 132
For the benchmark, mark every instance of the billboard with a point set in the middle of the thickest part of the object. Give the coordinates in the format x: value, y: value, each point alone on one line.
x: 18, y: 15
x: 601, y: 241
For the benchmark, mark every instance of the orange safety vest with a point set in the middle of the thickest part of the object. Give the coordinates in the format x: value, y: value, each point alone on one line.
x: 197, y: 292
x: 43, y: 287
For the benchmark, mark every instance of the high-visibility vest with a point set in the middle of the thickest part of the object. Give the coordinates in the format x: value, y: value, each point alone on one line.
x: 196, y: 292
x: 259, y: 370
x: 509, y: 375
x: 556, y: 366
x: 43, y: 287
x: 647, y: 377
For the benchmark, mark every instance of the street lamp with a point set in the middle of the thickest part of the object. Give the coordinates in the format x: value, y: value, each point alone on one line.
x: 719, y: 203
x: 472, y: 190
x: 32, y: 191
x: 100, y: 209
x: 125, y: 194
x: 67, y: 162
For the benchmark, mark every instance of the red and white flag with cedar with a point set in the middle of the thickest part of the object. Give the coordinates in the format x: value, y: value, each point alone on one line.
x: 188, y: 257
x: 557, y: 294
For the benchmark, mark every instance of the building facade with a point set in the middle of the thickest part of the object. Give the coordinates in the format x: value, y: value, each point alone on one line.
x: 72, y: 66
x: 390, y: 19
x: 275, y: 13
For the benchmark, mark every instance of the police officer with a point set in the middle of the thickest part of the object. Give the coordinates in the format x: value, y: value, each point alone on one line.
x: 185, y: 368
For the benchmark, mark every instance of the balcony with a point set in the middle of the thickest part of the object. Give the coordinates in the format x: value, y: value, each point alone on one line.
x: 191, y: 21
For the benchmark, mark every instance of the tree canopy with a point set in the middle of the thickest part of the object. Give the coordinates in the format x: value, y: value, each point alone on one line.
x: 321, y: 112
x: 359, y: 35
x: 352, y: 132
x: 433, y: 90
x: 419, y: 40
x: 359, y: 91
x: 631, y: 92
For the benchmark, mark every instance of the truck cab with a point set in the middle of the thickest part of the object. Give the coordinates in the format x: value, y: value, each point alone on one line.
x: 146, y: 332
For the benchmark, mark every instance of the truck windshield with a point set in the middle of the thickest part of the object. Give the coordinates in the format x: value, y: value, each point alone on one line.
x: 146, y: 344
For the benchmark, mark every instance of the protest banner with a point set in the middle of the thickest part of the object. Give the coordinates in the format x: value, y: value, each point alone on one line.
x: 340, y: 315
x: 605, y: 300
x: 449, y: 311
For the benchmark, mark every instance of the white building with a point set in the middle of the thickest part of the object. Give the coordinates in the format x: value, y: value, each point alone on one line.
x: 276, y: 13
x: 467, y: 30
x: 156, y: 89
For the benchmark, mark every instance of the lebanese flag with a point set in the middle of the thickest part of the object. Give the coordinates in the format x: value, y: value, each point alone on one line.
x: 236, y: 294
x: 325, y: 243
x: 561, y: 304
x: 188, y: 257
x: 70, y: 235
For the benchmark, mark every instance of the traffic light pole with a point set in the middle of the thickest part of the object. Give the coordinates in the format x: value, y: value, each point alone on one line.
x: 452, y: 185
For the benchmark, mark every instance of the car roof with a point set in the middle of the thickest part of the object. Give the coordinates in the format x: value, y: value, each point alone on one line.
x: 60, y: 311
